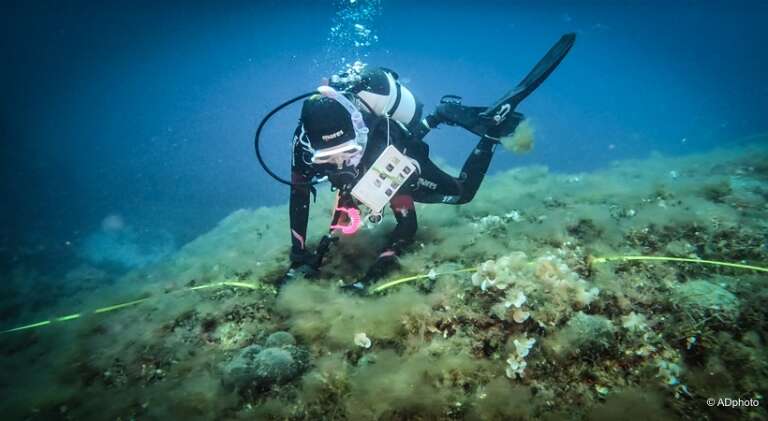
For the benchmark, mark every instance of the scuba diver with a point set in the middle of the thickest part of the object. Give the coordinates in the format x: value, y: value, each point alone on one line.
x: 363, y: 132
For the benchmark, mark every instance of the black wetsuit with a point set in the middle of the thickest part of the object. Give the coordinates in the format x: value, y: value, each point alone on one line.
x: 430, y: 185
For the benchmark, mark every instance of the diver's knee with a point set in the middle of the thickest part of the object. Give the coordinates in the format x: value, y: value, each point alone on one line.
x: 464, y: 199
x: 466, y: 195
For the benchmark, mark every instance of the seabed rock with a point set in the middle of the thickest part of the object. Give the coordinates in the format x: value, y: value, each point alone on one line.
x: 707, y: 301
x: 256, y: 368
x: 583, y: 333
x: 280, y: 339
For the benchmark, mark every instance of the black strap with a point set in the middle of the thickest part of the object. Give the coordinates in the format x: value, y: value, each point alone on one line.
x: 397, y: 99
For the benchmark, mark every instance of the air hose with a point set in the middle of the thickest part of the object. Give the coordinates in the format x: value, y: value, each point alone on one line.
x: 257, y: 138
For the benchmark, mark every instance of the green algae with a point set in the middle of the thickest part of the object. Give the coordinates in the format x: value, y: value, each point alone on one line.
x: 659, y: 336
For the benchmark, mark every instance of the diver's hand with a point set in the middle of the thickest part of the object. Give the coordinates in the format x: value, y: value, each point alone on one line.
x: 301, y: 258
x: 303, y: 264
x: 358, y: 288
x: 306, y: 271
x: 386, y: 262
x: 379, y: 269
x: 300, y: 271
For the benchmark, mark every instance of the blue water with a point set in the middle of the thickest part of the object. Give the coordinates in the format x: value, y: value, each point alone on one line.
x: 147, y: 111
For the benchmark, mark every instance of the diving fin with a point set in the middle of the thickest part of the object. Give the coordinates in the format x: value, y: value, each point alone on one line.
x: 537, y: 75
x: 501, y: 119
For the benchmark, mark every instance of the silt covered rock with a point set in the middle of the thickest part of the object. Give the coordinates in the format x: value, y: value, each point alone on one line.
x: 256, y: 368
x: 584, y: 333
x: 706, y: 301
x: 279, y: 340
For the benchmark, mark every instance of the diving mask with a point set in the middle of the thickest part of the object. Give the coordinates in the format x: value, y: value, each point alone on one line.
x: 349, y: 153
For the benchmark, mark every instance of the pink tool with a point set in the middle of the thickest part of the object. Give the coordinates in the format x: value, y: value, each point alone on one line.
x: 354, y: 221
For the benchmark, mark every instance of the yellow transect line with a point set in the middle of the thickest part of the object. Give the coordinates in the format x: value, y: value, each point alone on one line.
x: 119, y: 306
x: 124, y: 305
x: 379, y: 288
x: 414, y: 277
x: 239, y: 284
x: 679, y: 259
x: 592, y: 260
x: 29, y: 326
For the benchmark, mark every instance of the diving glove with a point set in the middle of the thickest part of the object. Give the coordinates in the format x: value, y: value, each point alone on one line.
x: 301, y: 270
x: 303, y: 264
x: 386, y: 262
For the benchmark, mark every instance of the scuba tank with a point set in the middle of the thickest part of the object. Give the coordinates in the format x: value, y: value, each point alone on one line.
x: 380, y: 91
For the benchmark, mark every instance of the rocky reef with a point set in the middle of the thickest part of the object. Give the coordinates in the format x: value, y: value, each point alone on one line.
x: 535, y: 328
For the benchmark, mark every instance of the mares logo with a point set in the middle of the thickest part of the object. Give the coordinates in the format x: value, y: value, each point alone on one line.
x: 332, y: 136
x: 426, y: 183
x: 501, y: 115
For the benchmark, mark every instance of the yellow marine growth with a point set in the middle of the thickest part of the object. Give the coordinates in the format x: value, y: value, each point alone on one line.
x: 521, y: 141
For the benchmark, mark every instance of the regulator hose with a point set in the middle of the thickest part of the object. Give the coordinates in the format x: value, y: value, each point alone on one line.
x: 258, y: 136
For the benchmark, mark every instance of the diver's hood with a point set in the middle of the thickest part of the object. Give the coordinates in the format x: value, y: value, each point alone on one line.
x: 335, y: 130
x: 326, y: 122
